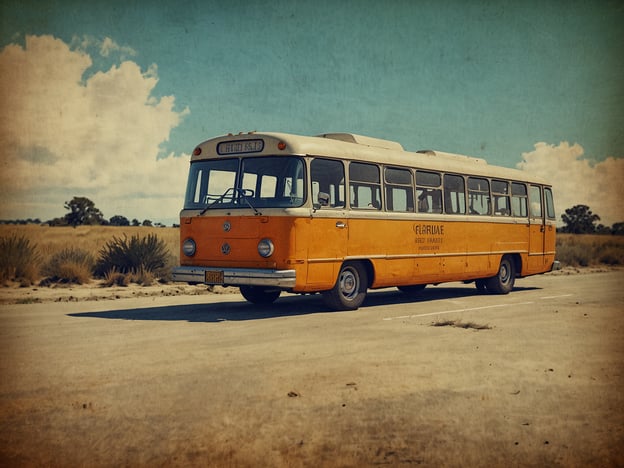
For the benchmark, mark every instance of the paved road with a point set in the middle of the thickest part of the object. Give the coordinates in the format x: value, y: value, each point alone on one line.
x: 212, y: 380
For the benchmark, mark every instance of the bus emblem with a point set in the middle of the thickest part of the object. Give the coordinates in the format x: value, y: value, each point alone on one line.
x: 227, y: 226
x: 225, y: 249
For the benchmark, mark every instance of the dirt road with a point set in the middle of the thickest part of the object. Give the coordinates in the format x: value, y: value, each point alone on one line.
x: 214, y: 381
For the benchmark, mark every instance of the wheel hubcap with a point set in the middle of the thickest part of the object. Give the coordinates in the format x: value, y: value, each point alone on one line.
x: 504, y: 273
x: 348, y: 284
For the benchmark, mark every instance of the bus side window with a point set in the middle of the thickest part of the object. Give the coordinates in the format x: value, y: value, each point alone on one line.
x: 365, y: 186
x: 399, y: 189
x: 478, y: 196
x: 550, y: 204
x: 500, y: 196
x: 327, y: 176
x: 518, y: 200
x: 454, y: 194
x: 428, y: 192
x: 535, y: 201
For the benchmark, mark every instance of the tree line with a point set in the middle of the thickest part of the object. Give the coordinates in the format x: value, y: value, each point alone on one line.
x: 580, y: 220
x: 577, y: 220
x: 83, y: 211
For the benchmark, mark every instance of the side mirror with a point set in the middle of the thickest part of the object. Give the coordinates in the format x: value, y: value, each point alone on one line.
x: 323, y: 200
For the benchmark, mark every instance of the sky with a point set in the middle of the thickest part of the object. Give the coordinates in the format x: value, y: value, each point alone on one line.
x: 108, y: 99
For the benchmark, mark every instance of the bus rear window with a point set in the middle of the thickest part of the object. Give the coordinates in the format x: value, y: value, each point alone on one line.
x: 550, y: 204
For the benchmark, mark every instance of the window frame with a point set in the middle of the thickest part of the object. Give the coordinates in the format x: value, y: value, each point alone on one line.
x: 357, y: 188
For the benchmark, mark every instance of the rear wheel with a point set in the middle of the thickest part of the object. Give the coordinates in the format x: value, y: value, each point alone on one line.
x: 503, y: 281
x: 259, y: 294
x: 349, y: 291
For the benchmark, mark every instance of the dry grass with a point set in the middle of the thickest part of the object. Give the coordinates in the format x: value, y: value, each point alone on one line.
x: 580, y: 250
x: 19, y: 259
x: 70, y: 265
x: 49, y: 243
x: 460, y: 324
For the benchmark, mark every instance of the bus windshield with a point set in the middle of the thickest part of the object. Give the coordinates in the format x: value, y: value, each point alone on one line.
x: 256, y: 182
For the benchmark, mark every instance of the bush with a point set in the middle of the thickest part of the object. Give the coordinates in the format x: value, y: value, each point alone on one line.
x: 137, y: 256
x: 70, y: 265
x: 612, y: 256
x: 578, y: 250
x: 574, y: 255
x: 19, y: 260
x: 116, y: 278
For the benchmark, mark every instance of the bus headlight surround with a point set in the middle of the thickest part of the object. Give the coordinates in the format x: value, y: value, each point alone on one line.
x: 189, y: 247
x: 266, y: 248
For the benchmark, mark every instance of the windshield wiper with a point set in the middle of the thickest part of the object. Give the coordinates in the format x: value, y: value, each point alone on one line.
x: 241, y: 192
x: 233, y: 191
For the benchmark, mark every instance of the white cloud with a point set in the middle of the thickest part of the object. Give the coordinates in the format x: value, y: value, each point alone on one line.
x: 63, y: 136
x: 577, y: 180
x: 108, y: 46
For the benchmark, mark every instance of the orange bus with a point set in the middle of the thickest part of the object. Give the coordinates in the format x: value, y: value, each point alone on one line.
x: 339, y: 214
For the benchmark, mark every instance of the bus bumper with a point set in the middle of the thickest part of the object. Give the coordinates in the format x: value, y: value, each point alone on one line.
x: 235, y: 276
x: 556, y: 265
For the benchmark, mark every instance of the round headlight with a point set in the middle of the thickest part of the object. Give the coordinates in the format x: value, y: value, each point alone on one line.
x: 188, y: 247
x: 265, y: 248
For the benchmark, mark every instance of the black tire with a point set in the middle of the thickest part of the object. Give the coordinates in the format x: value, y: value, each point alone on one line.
x: 413, y: 289
x: 503, y: 281
x: 481, y: 284
x: 349, y: 291
x: 259, y: 294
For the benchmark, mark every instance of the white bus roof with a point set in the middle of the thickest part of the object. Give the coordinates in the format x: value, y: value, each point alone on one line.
x: 362, y: 148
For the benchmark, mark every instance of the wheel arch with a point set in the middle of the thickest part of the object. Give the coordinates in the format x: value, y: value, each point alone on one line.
x: 517, y: 263
x: 370, y: 270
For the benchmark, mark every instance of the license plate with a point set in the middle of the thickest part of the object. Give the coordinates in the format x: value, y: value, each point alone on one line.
x: 214, y: 277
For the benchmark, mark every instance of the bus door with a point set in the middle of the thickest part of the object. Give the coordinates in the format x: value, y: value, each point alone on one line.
x: 328, y: 230
x: 537, y: 229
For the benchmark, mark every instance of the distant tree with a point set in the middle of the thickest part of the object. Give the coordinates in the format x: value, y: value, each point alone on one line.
x: 147, y: 222
x: 82, y: 211
x: 135, y: 222
x: 618, y: 229
x: 579, y: 220
x: 119, y: 220
x: 57, y: 222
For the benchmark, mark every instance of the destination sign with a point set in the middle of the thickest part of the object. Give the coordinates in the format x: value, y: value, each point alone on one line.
x: 240, y: 146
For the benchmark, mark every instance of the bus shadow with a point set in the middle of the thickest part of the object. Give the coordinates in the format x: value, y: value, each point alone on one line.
x: 213, y: 312
x: 285, y: 307
x: 430, y: 294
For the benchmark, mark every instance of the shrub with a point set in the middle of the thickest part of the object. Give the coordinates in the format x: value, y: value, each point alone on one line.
x: 19, y: 260
x: 116, y: 278
x: 143, y: 277
x: 586, y: 250
x: 611, y: 256
x: 123, y: 255
x: 70, y: 265
x: 574, y: 255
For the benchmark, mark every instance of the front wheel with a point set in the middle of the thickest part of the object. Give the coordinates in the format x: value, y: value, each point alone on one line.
x: 503, y: 281
x: 349, y: 291
x: 259, y: 294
